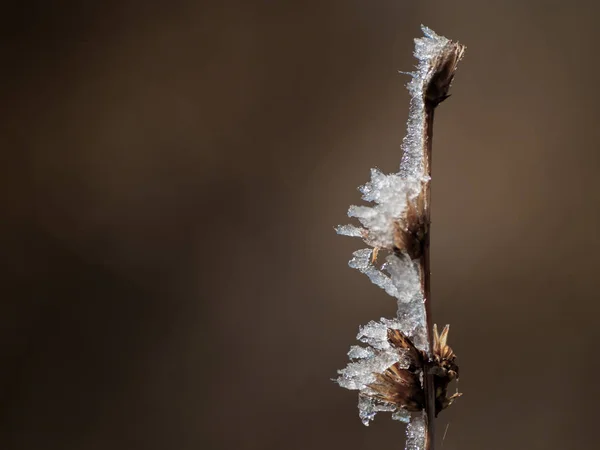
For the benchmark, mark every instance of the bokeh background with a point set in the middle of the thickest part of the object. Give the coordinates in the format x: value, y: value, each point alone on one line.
x: 171, y: 176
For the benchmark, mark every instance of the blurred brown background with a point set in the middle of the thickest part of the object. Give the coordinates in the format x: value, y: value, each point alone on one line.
x: 171, y: 176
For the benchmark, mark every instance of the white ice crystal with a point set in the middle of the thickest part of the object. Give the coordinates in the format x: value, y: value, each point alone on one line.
x: 390, y: 194
x: 427, y: 50
x: 399, y: 276
x: 366, y: 361
x: 415, y: 432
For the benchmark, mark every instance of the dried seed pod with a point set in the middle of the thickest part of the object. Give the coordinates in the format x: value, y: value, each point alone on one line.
x: 399, y: 387
x: 400, y: 384
x: 388, y: 371
x: 444, y: 369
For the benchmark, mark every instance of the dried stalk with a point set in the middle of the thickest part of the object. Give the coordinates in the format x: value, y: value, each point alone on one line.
x: 435, y: 92
x: 387, y: 373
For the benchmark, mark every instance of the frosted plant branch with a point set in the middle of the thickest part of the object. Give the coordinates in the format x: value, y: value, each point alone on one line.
x: 398, y: 224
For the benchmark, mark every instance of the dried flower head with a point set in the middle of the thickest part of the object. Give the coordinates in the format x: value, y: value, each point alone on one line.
x: 400, y: 384
x: 444, y: 369
x: 388, y: 373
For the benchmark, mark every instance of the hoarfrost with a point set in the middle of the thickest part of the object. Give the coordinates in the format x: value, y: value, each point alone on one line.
x: 399, y: 276
x: 415, y: 432
x: 402, y: 415
x: 362, y: 262
x: 349, y: 230
x: 358, y: 352
x: 369, y: 407
x: 375, y: 358
x: 403, y: 283
x: 367, y: 361
x: 428, y: 50
x: 357, y: 375
x: 390, y: 194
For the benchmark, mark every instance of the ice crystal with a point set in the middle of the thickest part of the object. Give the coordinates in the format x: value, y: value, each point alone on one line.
x: 428, y: 50
x: 389, y: 193
x: 367, y: 361
x: 415, y: 432
x: 369, y: 407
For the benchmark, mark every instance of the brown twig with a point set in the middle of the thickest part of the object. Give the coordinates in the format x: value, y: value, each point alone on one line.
x: 435, y: 92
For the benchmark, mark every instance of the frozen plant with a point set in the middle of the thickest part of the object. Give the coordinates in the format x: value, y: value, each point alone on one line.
x: 406, y: 366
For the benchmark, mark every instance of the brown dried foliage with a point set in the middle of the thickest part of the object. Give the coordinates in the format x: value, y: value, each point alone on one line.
x: 401, y: 386
x: 411, y: 230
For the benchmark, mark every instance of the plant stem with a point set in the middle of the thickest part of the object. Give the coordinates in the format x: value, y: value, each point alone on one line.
x: 435, y: 91
x: 428, y: 385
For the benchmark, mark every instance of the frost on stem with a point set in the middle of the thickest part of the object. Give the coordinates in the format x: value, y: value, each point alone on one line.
x: 367, y: 362
x: 388, y: 372
x: 402, y: 282
x: 415, y: 432
x: 397, y: 222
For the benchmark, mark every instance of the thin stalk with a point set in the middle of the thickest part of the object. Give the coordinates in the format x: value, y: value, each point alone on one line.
x: 435, y: 92
x: 428, y: 384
